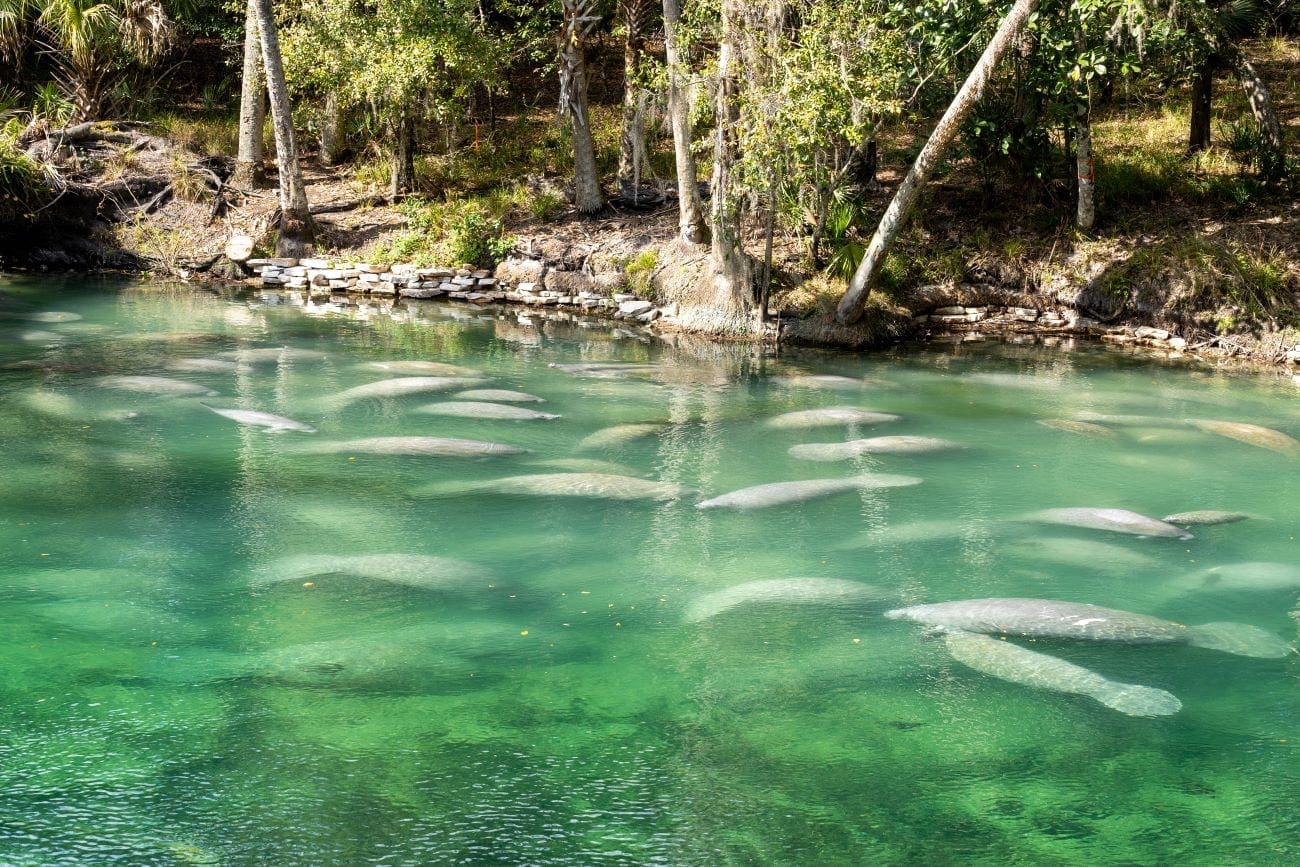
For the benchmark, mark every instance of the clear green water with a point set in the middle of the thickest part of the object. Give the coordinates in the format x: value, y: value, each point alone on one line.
x: 157, y: 705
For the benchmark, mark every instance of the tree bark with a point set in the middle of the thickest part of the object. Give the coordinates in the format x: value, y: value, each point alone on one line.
x: 402, y: 180
x: 252, y: 107
x: 851, y: 305
x: 1086, y: 213
x: 296, y: 228
x: 1198, y: 138
x: 579, y: 19
x: 632, y: 159
x: 693, y: 228
x: 1272, y: 157
x: 331, y: 123
x: 733, y: 280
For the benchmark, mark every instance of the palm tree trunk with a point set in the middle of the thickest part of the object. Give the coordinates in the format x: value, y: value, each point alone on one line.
x: 402, y: 180
x: 636, y: 16
x: 732, y: 277
x: 331, y: 122
x: 295, y: 215
x: 693, y: 228
x: 850, y: 306
x: 252, y: 106
x: 1272, y: 157
x: 579, y: 19
x: 1198, y: 138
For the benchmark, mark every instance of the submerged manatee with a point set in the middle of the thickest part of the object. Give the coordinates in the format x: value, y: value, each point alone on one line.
x: 480, y: 409
x: 827, y: 417
x: 604, y: 368
x: 1251, y: 434
x: 438, y: 447
x: 898, y: 445
x: 782, y: 591
x: 267, y: 355
x: 1128, y: 420
x: 619, y: 434
x: 589, y: 485
x: 1115, y: 520
x: 421, y: 368
x: 1206, y: 518
x: 1259, y: 577
x: 586, y: 465
x: 401, y: 387
x: 499, y: 395
x: 1087, y: 553
x: 1070, y: 425
x: 262, y: 419
x: 410, y: 570
x: 1016, y: 664
x: 202, y: 365
x: 819, y: 381
x: 1049, y: 618
x: 781, y: 493
x: 159, y: 385
x: 54, y: 404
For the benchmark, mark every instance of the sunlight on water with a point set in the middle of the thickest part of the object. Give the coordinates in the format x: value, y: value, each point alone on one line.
x: 341, y: 629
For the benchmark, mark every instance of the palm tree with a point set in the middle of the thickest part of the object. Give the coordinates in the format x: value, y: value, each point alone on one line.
x: 252, y: 104
x: 295, y: 215
x: 693, y: 228
x: 580, y: 19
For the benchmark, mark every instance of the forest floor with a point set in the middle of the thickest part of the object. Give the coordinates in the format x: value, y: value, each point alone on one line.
x: 1195, y: 245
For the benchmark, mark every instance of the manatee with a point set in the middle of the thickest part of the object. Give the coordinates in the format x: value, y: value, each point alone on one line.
x: 619, y: 434
x: 499, y: 395
x: 1251, y: 434
x: 1017, y: 664
x: 1205, y: 518
x: 421, y: 368
x: 1115, y: 520
x: 585, y: 465
x: 1049, y: 618
x: 202, y: 365
x: 410, y: 570
x: 604, y: 368
x: 588, y: 485
x: 155, y: 385
x: 781, y: 493
x: 1255, y: 576
x: 917, y: 531
x: 897, y: 445
x: 835, y: 415
x: 783, y: 591
x: 440, y: 447
x: 1127, y: 420
x: 480, y: 409
x: 819, y: 381
x: 54, y: 404
x: 401, y: 387
x: 1083, y: 552
x: 37, y: 336
x: 1013, y: 380
x: 53, y: 316
x: 1085, y: 428
x: 262, y: 419
x: 270, y: 354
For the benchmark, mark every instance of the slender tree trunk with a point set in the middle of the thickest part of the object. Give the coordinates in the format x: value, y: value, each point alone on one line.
x: 579, y: 19
x: 850, y: 306
x: 1087, y: 210
x: 637, y: 16
x: 693, y: 227
x: 252, y: 107
x: 1272, y: 157
x: 295, y: 216
x: 331, y: 123
x: 733, y: 280
x: 1202, y: 100
x: 402, y: 180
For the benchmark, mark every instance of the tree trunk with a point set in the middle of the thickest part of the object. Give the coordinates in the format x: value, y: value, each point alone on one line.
x: 1086, y: 214
x: 733, y: 281
x: 295, y: 216
x: 579, y: 19
x: 331, y: 123
x: 1202, y: 100
x: 850, y: 306
x: 252, y: 108
x: 1272, y: 160
x: 637, y: 16
x: 693, y: 228
x: 402, y: 179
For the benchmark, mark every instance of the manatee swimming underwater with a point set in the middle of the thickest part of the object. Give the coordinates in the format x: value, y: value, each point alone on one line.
x: 202, y: 365
x: 1050, y: 618
x: 781, y: 493
x: 1016, y: 664
x: 421, y: 368
x: 268, y: 354
x: 828, y: 417
x: 1251, y: 434
x: 401, y: 387
x: 819, y: 380
x: 254, y: 418
x: 782, y: 591
x: 1205, y: 518
x: 604, y: 368
x: 410, y: 570
x: 498, y: 395
x: 1085, y: 428
x: 589, y: 485
x: 1114, y: 520
x: 1238, y: 577
x: 481, y: 409
x: 158, y: 385
x: 619, y: 434
x: 438, y: 447
x: 895, y: 445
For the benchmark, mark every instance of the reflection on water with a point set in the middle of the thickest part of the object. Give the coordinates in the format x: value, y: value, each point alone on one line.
x: 227, y: 644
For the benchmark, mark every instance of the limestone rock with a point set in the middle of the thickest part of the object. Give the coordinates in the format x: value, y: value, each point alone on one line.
x: 239, y: 248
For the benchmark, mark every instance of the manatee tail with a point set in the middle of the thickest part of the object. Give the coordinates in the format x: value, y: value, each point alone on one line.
x: 1241, y: 639
x: 1135, y: 700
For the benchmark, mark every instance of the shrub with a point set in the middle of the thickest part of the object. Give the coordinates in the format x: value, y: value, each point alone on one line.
x: 640, y: 271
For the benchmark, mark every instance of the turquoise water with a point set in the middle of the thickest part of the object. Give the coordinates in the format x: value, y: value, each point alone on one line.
x: 175, y: 690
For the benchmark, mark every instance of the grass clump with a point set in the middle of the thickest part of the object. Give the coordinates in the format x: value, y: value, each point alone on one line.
x: 210, y: 134
x: 640, y: 271
x: 454, y: 232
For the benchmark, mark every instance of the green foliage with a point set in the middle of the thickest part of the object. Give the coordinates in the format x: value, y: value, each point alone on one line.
x: 455, y: 232
x: 476, y: 239
x: 640, y: 271
x: 22, y: 184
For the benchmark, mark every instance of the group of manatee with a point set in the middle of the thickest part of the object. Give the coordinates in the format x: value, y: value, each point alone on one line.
x: 973, y: 631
